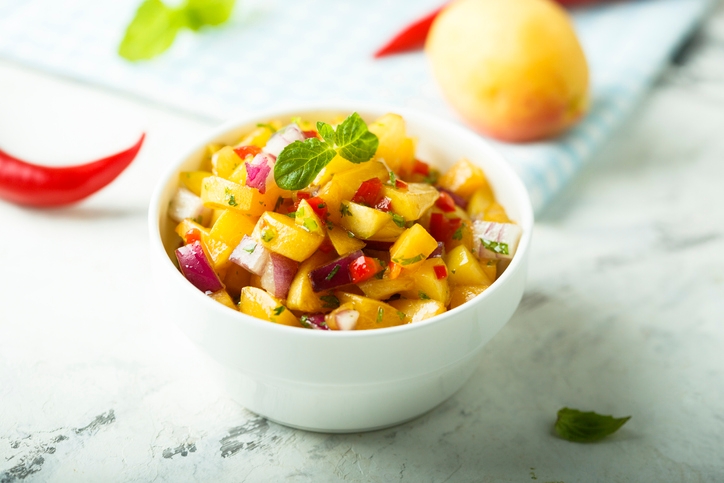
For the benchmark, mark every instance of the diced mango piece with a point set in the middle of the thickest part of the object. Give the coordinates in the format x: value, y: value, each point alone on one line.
x: 481, y: 199
x: 412, y: 202
x: 223, y: 298
x: 417, y: 310
x: 362, y: 220
x: 235, y: 279
x: 193, y: 179
x: 260, y: 304
x: 282, y: 235
x: 259, y: 136
x: 373, y: 314
x: 413, y: 246
x: 427, y: 285
x: 337, y: 165
x: 331, y: 194
x: 496, y: 212
x: 395, y: 148
x: 217, y: 192
x: 390, y: 232
x: 463, y: 178
x: 307, y: 218
x: 384, y: 288
x: 224, y: 162
x: 301, y: 296
x: 350, y: 180
x: 464, y: 268
x: 226, y: 233
x: 344, y: 241
x: 490, y: 268
x: 464, y: 293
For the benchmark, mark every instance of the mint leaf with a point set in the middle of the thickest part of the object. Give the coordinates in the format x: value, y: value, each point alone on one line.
x: 151, y: 31
x: 207, y: 12
x: 354, y: 141
x: 586, y: 427
x: 300, y: 162
x: 326, y: 131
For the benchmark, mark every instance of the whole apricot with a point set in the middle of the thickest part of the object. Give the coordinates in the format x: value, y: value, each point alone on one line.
x: 513, y: 69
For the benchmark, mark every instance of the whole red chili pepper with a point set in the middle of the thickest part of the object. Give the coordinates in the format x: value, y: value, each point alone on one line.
x: 28, y: 184
x: 412, y: 37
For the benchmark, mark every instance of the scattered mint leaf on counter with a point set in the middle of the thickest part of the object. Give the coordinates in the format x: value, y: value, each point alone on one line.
x: 301, y: 161
x: 586, y: 427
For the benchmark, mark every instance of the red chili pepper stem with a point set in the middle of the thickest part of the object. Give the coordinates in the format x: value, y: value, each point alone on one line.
x: 37, y: 186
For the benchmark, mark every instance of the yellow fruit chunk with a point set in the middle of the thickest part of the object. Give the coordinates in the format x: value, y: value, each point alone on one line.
x: 373, y: 314
x: 460, y: 294
x: 235, y: 279
x: 331, y: 194
x: 490, y: 268
x: 480, y: 201
x: 463, y: 178
x: 350, y: 180
x: 464, y: 268
x: 337, y: 165
x: 282, y: 235
x: 413, y: 246
x: 342, y: 241
x: 389, y: 232
x: 301, y: 296
x: 259, y: 136
x: 412, y: 202
x: 225, y: 235
x: 225, y: 161
x: 193, y: 179
x: 362, y: 220
x: 496, y: 212
x: 223, y: 298
x: 260, y: 304
x: 513, y: 69
x: 427, y: 285
x: 395, y: 148
x: 417, y: 310
x: 382, y: 289
x: 307, y: 218
x: 221, y: 193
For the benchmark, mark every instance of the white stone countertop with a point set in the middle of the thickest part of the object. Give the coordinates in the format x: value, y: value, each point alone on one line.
x: 623, y: 314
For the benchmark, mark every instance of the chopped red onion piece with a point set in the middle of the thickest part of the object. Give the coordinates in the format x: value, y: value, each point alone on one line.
x: 333, y: 274
x: 346, y: 319
x: 495, y: 240
x: 258, y: 170
x: 314, y: 321
x: 197, y: 269
x: 439, y: 252
x: 278, y: 275
x: 282, y: 138
x: 250, y: 255
x: 186, y: 204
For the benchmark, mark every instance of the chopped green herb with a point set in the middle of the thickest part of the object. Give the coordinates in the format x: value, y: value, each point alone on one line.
x: 408, y: 261
x: 493, y: 246
x: 393, y: 178
x: 398, y: 219
x: 458, y: 235
x: 250, y: 249
x: 310, y: 224
x: 330, y: 301
x: 380, y: 314
x: 453, y: 271
x: 321, y: 206
x: 268, y: 126
x: 268, y: 234
x: 350, y: 234
x: 401, y: 315
x: 380, y: 274
x: 330, y: 225
x: 304, y: 320
x: 432, y: 177
x: 331, y: 274
x: 232, y: 201
x: 279, y: 202
x: 292, y: 214
x: 297, y: 120
x: 344, y: 209
x: 279, y: 310
x: 586, y: 427
x: 423, y: 296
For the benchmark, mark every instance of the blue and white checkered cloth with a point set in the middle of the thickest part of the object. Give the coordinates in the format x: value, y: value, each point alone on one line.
x: 278, y: 51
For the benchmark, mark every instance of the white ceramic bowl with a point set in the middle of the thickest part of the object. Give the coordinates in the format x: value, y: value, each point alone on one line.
x: 347, y: 381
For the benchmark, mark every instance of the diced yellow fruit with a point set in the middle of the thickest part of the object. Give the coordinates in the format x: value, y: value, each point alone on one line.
x: 395, y: 148
x: 389, y: 232
x: 226, y: 233
x: 464, y: 293
x: 259, y: 136
x: 225, y: 161
x: 373, y: 314
x: 464, y: 268
x: 417, y: 310
x: 239, y: 174
x: 412, y: 202
x: 215, y: 215
x: 350, y: 180
x: 212, y: 148
x: 496, y: 212
x: 307, y: 218
x: 481, y: 199
x: 193, y: 179
x: 301, y: 295
x: 261, y: 304
x: 490, y: 268
x: 463, y: 178
x: 255, y: 280
x: 337, y: 165
x: 342, y: 241
x: 382, y: 289
x: 413, y: 246
x: 281, y: 234
x: 224, y: 298
x: 362, y: 220
x: 221, y: 193
x: 331, y: 194
x: 465, y: 237
x: 235, y: 279
x: 426, y: 284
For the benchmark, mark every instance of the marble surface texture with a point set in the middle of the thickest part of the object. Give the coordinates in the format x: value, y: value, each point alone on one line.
x: 623, y: 314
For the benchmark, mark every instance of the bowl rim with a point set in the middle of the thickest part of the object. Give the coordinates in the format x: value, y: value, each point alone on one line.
x: 343, y: 106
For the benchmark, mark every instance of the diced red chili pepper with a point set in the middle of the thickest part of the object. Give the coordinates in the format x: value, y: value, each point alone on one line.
x: 421, y: 168
x: 400, y: 185
x: 320, y: 207
x: 445, y: 202
x: 385, y: 204
x: 440, y: 271
x: 393, y: 270
x: 442, y: 228
x: 368, y: 192
x: 364, y: 268
x: 311, y: 134
x: 301, y: 195
x: 244, y: 151
x: 326, y: 246
x: 193, y: 235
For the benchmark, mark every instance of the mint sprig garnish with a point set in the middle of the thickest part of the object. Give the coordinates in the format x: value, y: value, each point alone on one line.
x: 301, y: 161
x: 586, y: 427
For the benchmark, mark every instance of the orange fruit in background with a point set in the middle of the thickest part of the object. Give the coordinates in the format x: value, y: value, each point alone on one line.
x: 513, y: 69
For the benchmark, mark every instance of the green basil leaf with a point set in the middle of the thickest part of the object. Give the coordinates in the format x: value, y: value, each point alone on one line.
x: 326, y: 131
x: 300, y: 162
x: 585, y: 427
x: 151, y: 31
x: 354, y: 141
